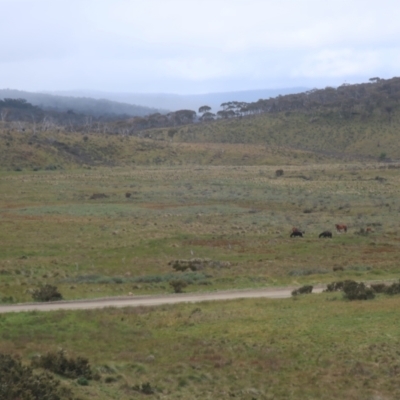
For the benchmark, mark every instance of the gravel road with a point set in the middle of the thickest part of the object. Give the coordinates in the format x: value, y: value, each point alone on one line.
x: 143, y: 301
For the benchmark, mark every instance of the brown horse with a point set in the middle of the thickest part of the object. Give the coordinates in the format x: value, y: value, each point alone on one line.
x: 341, y: 227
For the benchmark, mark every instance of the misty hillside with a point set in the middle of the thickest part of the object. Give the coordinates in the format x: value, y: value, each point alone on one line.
x: 176, y: 102
x: 79, y: 105
x: 350, y: 122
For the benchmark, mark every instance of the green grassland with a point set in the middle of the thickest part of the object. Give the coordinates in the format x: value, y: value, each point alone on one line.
x: 53, y: 231
x: 99, y: 215
x: 310, y: 347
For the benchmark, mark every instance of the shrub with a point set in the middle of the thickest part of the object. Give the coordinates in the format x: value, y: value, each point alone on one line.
x: 82, y: 381
x: 379, y: 287
x: 178, y: 285
x: 7, y: 299
x: 58, y: 363
x: 336, y: 286
x: 47, y: 293
x: 357, y: 291
x: 20, y: 382
x: 306, y: 289
x: 382, y: 156
x: 394, y: 288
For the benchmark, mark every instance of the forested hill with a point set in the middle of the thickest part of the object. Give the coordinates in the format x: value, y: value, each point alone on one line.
x: 377, y: 98
x: 78, y: 105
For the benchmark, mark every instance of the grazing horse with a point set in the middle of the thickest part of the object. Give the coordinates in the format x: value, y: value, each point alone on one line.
x: 325, y: 234
x: 296, y: 233
x: 338, y: 268
x: 341, y: 227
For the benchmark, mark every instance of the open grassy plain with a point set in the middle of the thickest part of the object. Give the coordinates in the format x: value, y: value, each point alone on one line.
x: 53, y: 230
x: 106, y: 215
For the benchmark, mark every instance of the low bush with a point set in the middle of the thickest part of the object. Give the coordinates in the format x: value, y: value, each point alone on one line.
x: 189, y: 277
x: 82, y: 381
x: 336, y: 286
x: 178, y: 285
x: 393, y: 289
x: 58, y: 363
x: 197, y: 264
x: 379, y: 287
x: 306, y: 272
x: 306, y: 289
x: 21, y: 382
x: 7, y: 299
x: 357, y: 291
x: 47, y: 293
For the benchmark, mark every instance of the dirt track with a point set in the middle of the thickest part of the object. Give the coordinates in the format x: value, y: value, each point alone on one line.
x: 137, y: 301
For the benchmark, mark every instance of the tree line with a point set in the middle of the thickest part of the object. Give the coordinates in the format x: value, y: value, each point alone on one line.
x: 377, y: 95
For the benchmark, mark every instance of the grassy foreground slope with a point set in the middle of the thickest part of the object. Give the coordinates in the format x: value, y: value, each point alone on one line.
x: 314, y: 347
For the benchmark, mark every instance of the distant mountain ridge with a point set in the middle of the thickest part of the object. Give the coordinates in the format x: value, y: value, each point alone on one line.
x: 174, y: 102
x: 97, y: 103
x: 80, y: 105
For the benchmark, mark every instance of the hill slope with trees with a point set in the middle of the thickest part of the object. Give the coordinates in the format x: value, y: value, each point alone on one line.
x: 359, y: 122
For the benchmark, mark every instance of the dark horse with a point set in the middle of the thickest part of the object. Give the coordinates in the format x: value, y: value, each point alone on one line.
x: 296, y: 233
x: 325, y: 234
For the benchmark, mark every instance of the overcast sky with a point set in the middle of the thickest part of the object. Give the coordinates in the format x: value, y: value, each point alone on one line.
x: 195, y: 46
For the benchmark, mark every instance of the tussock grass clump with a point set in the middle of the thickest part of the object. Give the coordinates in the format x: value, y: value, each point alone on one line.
x: 144, y: 388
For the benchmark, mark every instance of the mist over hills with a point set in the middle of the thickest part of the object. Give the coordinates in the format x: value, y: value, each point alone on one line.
x: 174, y: 102
x: 81, y: 104
x: 108, y: 104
